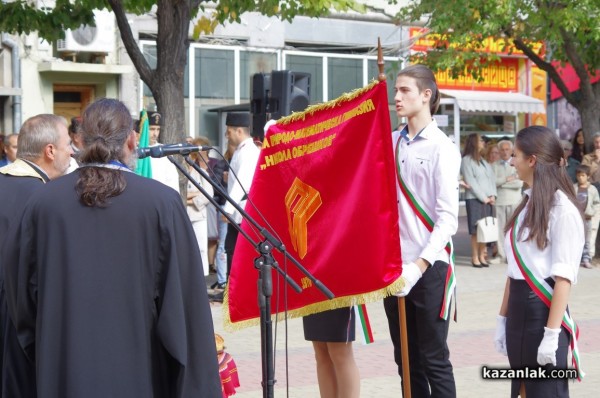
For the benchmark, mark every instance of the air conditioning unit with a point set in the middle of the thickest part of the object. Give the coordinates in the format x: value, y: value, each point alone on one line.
x: 45, y: 5
x: 98, y: 39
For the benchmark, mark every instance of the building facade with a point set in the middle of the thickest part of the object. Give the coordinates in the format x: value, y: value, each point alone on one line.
x: 339, y: 53
x: 63, y: 77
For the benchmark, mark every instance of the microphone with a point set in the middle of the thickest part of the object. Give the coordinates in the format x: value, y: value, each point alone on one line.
x: 160, y: 151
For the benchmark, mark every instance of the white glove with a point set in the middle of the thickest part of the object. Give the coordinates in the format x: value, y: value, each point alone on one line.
x: 548, y: 346
x: 500, y: 337
x: 411, y: 274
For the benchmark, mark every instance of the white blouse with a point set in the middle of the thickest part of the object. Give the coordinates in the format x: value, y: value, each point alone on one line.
x: 562, y: 255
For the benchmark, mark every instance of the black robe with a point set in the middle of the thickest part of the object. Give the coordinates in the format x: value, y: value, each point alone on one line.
x: 112, y: 302
x: 17, y: 375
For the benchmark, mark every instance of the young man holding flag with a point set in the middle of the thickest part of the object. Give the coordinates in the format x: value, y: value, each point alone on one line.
x: 427, y: 168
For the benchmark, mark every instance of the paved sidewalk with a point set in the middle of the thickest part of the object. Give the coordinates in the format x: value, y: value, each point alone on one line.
x: 470, y: 340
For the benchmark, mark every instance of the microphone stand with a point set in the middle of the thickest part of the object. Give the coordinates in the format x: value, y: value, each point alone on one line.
x: 264, y: 263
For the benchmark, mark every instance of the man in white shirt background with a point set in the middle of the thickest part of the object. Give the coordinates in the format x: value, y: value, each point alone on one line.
x: 243, y: 164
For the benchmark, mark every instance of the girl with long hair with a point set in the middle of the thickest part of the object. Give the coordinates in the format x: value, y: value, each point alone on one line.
x: 544, y: 242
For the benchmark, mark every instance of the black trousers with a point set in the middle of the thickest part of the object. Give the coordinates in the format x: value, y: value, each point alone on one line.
x: 230, y: 241
x: 525, y: 320
x: 430, y: 368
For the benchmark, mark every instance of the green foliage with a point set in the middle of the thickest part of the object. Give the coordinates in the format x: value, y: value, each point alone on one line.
x: 230, y: 10
x: 568, y: 28
x: 22, y: 17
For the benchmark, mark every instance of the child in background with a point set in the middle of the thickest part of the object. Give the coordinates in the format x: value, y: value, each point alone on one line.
x: 227, y: 369
x: 588, y: 197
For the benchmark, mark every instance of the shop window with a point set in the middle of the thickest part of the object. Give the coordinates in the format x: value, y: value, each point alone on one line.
x: 215, y: 78
x: 390, y: 70
x: 494, y: 127
x: 343, y: 76
x: 149, y: 51
x: 252, y: 62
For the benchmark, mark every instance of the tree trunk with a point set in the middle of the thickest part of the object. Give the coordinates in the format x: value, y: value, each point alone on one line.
x: 589, y: 110
x: 590, y: 121
x: 172, y: 46
x: 167, y: 86
x: 166, y: 81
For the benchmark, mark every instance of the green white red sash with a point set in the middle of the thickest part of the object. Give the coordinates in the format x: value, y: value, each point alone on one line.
x: 544, y: 291
x: 365, y: 331
x: 450, y: 284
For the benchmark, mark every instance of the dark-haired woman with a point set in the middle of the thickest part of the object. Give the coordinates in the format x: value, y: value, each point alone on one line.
x: 578, y: 146
x: 544, y: 243
x: 481, y: 194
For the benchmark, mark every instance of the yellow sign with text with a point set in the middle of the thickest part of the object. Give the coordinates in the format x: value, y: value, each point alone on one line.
x: 502, y: 76
x: 493, y: 45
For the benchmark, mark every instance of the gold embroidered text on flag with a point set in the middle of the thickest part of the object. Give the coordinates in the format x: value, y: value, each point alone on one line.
x: 325, y: 183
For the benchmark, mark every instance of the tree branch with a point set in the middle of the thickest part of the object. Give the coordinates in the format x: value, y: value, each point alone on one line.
x: 548, y: 68
x: 139, y: 61
x: 578, y: 65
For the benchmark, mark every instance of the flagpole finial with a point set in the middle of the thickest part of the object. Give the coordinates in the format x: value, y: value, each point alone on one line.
x: 381, y: 76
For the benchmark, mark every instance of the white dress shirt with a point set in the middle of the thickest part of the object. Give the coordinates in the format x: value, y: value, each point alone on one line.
x: 562, y: 255
x: 429, y: 164
x: 243, y: 164
x: 165, y: 171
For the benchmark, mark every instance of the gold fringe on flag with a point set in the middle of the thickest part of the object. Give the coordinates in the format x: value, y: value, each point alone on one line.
x: 327, y: 105
x: 337, y: 302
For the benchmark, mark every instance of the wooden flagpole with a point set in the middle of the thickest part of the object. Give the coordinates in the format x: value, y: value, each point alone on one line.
x: 404, y: 347
x: 401, y: 300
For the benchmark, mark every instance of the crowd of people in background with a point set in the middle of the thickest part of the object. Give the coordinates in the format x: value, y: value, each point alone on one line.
x: 492, y: 188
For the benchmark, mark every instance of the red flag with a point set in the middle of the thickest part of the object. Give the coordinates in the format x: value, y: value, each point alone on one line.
x: 325, y: 182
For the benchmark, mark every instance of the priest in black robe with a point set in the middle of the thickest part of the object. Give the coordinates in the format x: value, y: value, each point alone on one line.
x: 43, y: 153
x: 106, y: 290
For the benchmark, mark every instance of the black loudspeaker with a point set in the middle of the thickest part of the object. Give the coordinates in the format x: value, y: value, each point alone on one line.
x: 259, y: 103
x: 290, y: 92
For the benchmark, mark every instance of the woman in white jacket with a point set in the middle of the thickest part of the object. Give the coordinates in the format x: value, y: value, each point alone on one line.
x: 197, y: 203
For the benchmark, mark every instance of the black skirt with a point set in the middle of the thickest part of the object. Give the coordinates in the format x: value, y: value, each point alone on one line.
x: 332, y: 326
x: 525, y: 320
x: 477, y: 210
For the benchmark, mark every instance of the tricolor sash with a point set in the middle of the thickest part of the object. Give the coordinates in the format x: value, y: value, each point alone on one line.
x: 365, y: 331
x: 450, y: 285
x: 544, y: 291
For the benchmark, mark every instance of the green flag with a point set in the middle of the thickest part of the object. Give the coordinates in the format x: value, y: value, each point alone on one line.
x: 143, y: 167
